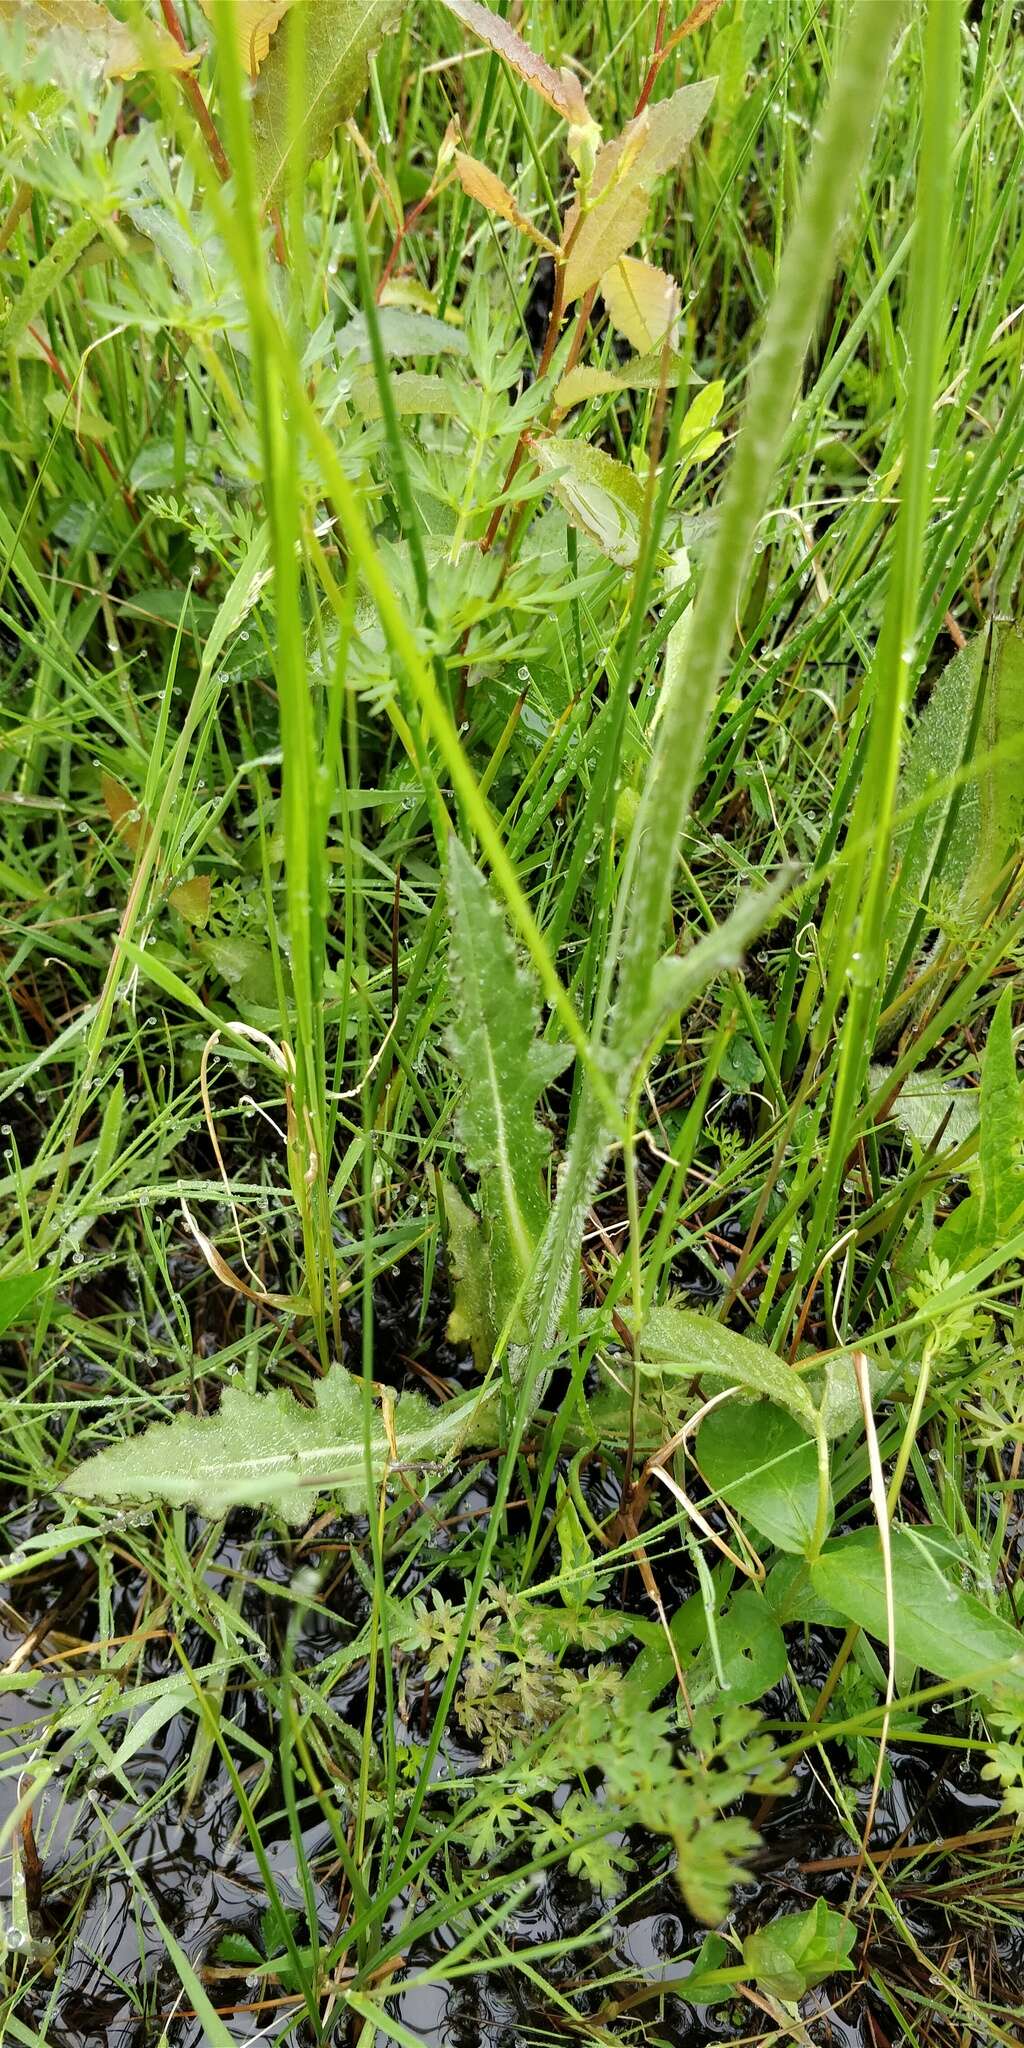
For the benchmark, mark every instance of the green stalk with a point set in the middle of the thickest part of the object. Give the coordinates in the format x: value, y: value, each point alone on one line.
x: 854, y: 928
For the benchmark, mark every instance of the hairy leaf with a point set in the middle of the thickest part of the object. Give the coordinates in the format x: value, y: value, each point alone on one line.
x: 601, y: 496
x: 340, y: 38
x: 266, y: 1450
x: 683, y: 1343
x: 642, y: 302
x: 504, y: 1068
x: 623, y: 182
x: 471, y: 1320
x: 954, y: 849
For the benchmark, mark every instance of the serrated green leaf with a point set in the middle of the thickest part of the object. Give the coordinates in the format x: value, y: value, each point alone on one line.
x: 340, y: 38
x: 763, y: 1462
x: 601, y: 496
x: 939, y: 1624
x: 266, y: 1450
x: 504, y: 1068
x: 625, y: 172
x: 682, y: 1343
x: 470, y: 1321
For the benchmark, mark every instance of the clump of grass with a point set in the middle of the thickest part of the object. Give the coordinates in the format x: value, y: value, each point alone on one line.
x: 511, y: 925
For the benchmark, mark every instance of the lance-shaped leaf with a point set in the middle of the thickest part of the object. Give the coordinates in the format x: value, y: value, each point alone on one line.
x: 504, y: 1068
x: 641, y: 373
x: 340, y: 37
x: 642, y: 302
x: 561, y: 89
x: 84, y: 34
x: 266, y: 1450
x: 253, y: 23
x: 601, y: 496
x: 993, y: 1209
x: 483, y: 184
x: 624, y: 177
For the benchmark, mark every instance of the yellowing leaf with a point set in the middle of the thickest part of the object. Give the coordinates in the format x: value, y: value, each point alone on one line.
x: 641, y: 373
x: 561, y: 89
x: 624, y: 175
x: 253, y: 23
x: 601, y: 496
x: 698, y: 436
x: 483, y: 184
x: 83, y: 33
x: 190, y: 899
x: 642, y: 302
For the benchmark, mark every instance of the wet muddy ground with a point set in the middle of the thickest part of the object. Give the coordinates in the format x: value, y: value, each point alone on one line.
x: 121, y: 1991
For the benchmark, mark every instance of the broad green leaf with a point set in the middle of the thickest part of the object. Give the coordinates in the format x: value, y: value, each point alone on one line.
x: 751, y: 1649
x: 699, y: 438
x: 792, y: 1597
x: 19, y: 1290
x: 504, y: 1068
x: 751, y: 1652
x: 787, y: 1957
x: 642, y: 302
x: 266, y: 1450
x: 340, y: 38
x: 601, y: 496
x: 403, y: 332
x: 939, y: 1624
x: 954, y: 849
x: 623, y: 182
x: 86, y: 34
x: 561, y: 89
x: 641, y: 373
x: 246, y: 966
x: 682, y: 1343
x: 760, y: 1459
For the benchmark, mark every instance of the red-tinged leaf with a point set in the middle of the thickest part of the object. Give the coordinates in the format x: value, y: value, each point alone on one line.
x: 561, y: 89
x: 620, y: 194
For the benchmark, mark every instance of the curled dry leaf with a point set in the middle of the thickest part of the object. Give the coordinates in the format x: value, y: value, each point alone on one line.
x: 81, y: 32
x: 642, y: 302
x: 624, y: 175
x: 561, y: 89
x: 253, y: 22
x: 483, y: 184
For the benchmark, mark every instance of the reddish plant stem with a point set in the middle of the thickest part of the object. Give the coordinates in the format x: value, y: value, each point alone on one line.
x: 409, y: 222
x: 193, y: 93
